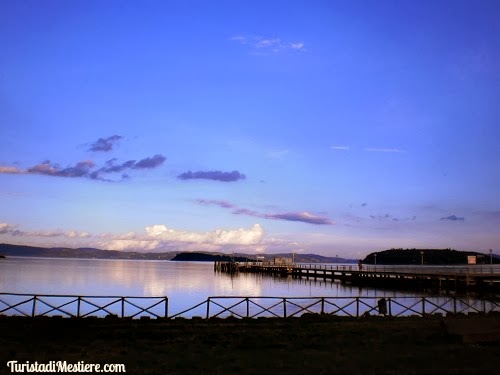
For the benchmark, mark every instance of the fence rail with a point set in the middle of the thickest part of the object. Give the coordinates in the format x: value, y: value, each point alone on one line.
x: 240, y: 307
x: 82, y: 306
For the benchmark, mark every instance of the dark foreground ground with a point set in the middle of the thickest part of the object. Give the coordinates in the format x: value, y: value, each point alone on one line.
x: 307, y: 345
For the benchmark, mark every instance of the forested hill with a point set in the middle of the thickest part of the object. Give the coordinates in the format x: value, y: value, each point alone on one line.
x: 91, y: 253
x: 298, y: 258
x: 84, y: 253
x: 430, y: 257
x: 207, y: 257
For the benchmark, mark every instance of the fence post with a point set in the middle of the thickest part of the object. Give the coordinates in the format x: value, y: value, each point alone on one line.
x: 390, y: 306
x: 284, y: 307
x: 78, y: 303
x: 322, y: 305
x: 33, y: 311
x: 357, y: 307
x: 248, y: 307
x: 208, y: 307
x: 455, y: 305
x: 123, y: 307
x: 423, y: 307
x: 166, y: 307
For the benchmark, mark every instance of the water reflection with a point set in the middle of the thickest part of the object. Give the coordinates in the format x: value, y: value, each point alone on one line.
x: 185, y: 283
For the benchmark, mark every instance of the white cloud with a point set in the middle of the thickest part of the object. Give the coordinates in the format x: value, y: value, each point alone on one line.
x: 297, y: 46
x: 239, y: 236
x: 6, y: 228
x: 129, y: 245
x: 261, y: 44
x: 383, y: 150
x: 239, y: 38
x: 267, y: 43
x: 9, y: 229
x: 11, y: 170
x: 342, y: 148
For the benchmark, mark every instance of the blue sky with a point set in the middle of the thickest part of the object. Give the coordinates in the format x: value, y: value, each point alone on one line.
x: 334, y: 127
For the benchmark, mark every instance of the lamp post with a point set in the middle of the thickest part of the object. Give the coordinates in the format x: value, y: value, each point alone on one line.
x: 491, y: 256
x: 422, y: 257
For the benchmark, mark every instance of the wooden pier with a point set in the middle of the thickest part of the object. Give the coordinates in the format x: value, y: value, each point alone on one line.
x: 477, y: 278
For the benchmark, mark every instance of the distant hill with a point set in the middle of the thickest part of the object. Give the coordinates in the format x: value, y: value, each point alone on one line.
x: 239, y: 257
x: 430, y: 256
x: 209, y: 257
x: 84, y: 253
x: 309, y: 258
x: 91, y: 253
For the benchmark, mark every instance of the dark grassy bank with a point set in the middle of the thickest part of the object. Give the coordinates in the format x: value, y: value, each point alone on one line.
x: 307, y: 345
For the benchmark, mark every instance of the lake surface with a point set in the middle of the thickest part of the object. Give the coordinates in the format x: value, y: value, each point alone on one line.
x: 184, y: 283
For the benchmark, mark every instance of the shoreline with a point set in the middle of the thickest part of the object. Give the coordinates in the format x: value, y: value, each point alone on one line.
x: 311, y: 343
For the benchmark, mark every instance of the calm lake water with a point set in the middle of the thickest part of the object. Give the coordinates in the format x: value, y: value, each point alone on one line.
x: 184, y: 283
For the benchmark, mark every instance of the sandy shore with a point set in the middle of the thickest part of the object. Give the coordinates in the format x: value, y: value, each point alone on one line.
x: 306, y: 345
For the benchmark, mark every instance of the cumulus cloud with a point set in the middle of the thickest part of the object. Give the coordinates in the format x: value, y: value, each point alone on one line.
x: 212, y: 175
x: 80, y: 169
x: 11, y: 170
x: 453, y: 218
x: 304, y: 217
x: 104, y: 144
x: 113, y: 167
x: 239, y: 236
x: 86, y: 168
x: 58, y: 233
x: 12, y: 230
x: 266, y: 44
x: 6, y: 228
x: 130, y: 245
x: 208, y: 202
x: 149, y: 163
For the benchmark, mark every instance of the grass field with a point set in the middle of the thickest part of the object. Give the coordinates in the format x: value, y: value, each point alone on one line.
x: 311, y: 344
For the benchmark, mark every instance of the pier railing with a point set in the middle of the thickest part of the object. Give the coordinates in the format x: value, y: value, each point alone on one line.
x: 479, y: 269
x: 241, y: 307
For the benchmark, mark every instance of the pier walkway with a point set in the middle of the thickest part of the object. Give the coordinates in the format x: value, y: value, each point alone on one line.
x: 477, y: 278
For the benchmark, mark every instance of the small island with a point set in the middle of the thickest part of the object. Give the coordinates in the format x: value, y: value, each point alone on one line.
x: 433, y: 257
x: 209, y: 257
